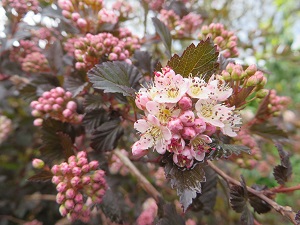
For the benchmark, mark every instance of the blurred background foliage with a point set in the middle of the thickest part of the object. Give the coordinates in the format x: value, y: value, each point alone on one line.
x: 269, y: 34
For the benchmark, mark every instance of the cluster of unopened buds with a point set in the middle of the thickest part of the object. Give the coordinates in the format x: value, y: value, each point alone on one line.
x: 22, y: 6
x: 80, y: 185
x: 225, y: 40
x: 35, y: 62
x: 5, y: 128
x: 123, y: 8
x: 57, y: 104
x: 26, y: 47
x: 131, y: 41
x: 116, y: 165
x: 44, y: 33
x: 181, y: 27
x: 90, y: 49
x: 107, y: 16
x: 181, y: 115
x: 155, y: 5
x: 149, y: 212
x: 277, y: 103
x: 245, y: 83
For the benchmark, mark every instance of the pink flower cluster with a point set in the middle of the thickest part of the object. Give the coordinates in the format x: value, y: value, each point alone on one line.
x: 5, y: 128
x: 116, y: 165
x: 44, y: 33
x: 277, y: 103
x: 155, y: 5
x: 25, y: 48
x: 123, y: 8
x: 90, y: 50
x: 56, y: 103
x: 80, y: 185
x: 224, y: 39
x: 131, y: 41
x: 33, y: 222
x: 22, y: 6
x: 148, y: 214
x: 35, y: 62
x: 181, y: 27
x: 107, y: 16
x: 181, y: 114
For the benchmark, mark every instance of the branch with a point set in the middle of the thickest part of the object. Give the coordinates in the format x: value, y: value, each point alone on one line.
x: 286, y: 211
x: 145, y: 184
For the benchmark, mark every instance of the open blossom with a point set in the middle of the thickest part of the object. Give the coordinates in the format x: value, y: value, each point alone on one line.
x: 181, y: 115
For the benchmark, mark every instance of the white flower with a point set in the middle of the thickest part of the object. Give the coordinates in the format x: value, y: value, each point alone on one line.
x: 212, y: 112
x: 162, y: 111
x: 153, y: 134
x: 232, y: 125
x: 218, y: 90
x: 199, y: 146
x: 197, y: 88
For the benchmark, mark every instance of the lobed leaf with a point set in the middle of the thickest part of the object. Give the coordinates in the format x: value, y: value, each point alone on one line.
x: 282, y: 172
x: 94, y: 101
x: 164, y: 34
x: 75, y: 84
x: 42, y: 176
x: 115, y: 77
x: 200, y: 60
x: 66, y: 144
x: 170, y: 216
x: 186, y: 181
x: 106, y: 136
x: 144, y: 61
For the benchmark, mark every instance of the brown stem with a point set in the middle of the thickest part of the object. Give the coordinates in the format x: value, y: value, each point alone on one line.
x: 145, y: 184
x: 285, y: 189
x: 286, y: 211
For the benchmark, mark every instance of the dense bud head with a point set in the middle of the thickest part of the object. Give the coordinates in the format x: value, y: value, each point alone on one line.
x: 251, y: 70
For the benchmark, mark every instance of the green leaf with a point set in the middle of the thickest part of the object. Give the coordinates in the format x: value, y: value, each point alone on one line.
x: 94, y: 119
x: 207, y: 199
x: 55, y: 136
x: 186, y: 181
x: 196, y: 60
x: 115, y: 77
x: 42, y: 176
x: 94, y: 101
x: 282, y: 172
x: 269, y: 131
x: 170, y: 216
x: 258, y: 204
x: 106, y: 136
x: 164, y: 34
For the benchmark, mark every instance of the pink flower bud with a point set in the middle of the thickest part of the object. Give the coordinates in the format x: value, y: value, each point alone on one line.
x: 137, y: 151
x: 65, y: 168
x: 86, y: 180
x: 33, y: 104
x: 81, y: 23
x: 38, y: 163
x: 251, y: 70
x: 210, y: 129
x: 188, y: 133
x: 72, y: 158
x: 55, y: 169
x: 94, y: 165
x: 67, y: 113
x: 69, y: 204
x: 199, y: 125
x: 187, y: 118
x: 78, y: 208
x: 76, y: 171
x: 100, y: 193
x: 38, y: 122
x: 185, y: 103
x: 81, y: 154
x: 68, y: 94
x: 175, y: 125
x: 60, y: 198
x: 85, y: 168
x: 61, y: 187
x: 63, y: 211
x: 78, y: 198
x: 98, y: 175
x: 70, y: 193
x: 56, y: 179
x: 82, y: 161
x: 59, y: 101
x: 75, y: 181
x: 75, y: 16
x: 112, y: 56
x: 36, y: 113
x: 72, y: 106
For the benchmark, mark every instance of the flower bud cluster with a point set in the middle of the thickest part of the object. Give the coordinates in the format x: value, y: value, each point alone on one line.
x: 224, y: 39
x: 69, y: 45
x: 182, y: 114
x: 80, y: 185
x: 33, y: 222
x: 44, y: 33
x: 22, y: 6
x: 131, y: 41
x: 149, y: 212
x: 277, y: 103
x: 155, y: 5
x: 181, y: 27
x: 35, y: 62
x: 57, y: 104
x: 123, y: 8
x: 5, y: 128
x: 89, y: 50
x: 25, y: 48
x: 107, y: 16
x: 116, y: 165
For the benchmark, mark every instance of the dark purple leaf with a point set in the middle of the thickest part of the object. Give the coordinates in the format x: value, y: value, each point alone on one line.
x: 170, y: 216
x: 164, y: 34
x: 94, y: 119
x: 42, y: 176
x: 282, y: 172
x: 259, y: 205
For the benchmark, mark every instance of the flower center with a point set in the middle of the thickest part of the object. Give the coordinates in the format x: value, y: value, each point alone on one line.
x: 173, y: 92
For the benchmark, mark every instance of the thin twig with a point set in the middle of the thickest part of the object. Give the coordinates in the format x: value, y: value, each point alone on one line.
x: 286, y: 211
x: 145, y: 184
x: 285, y: 189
